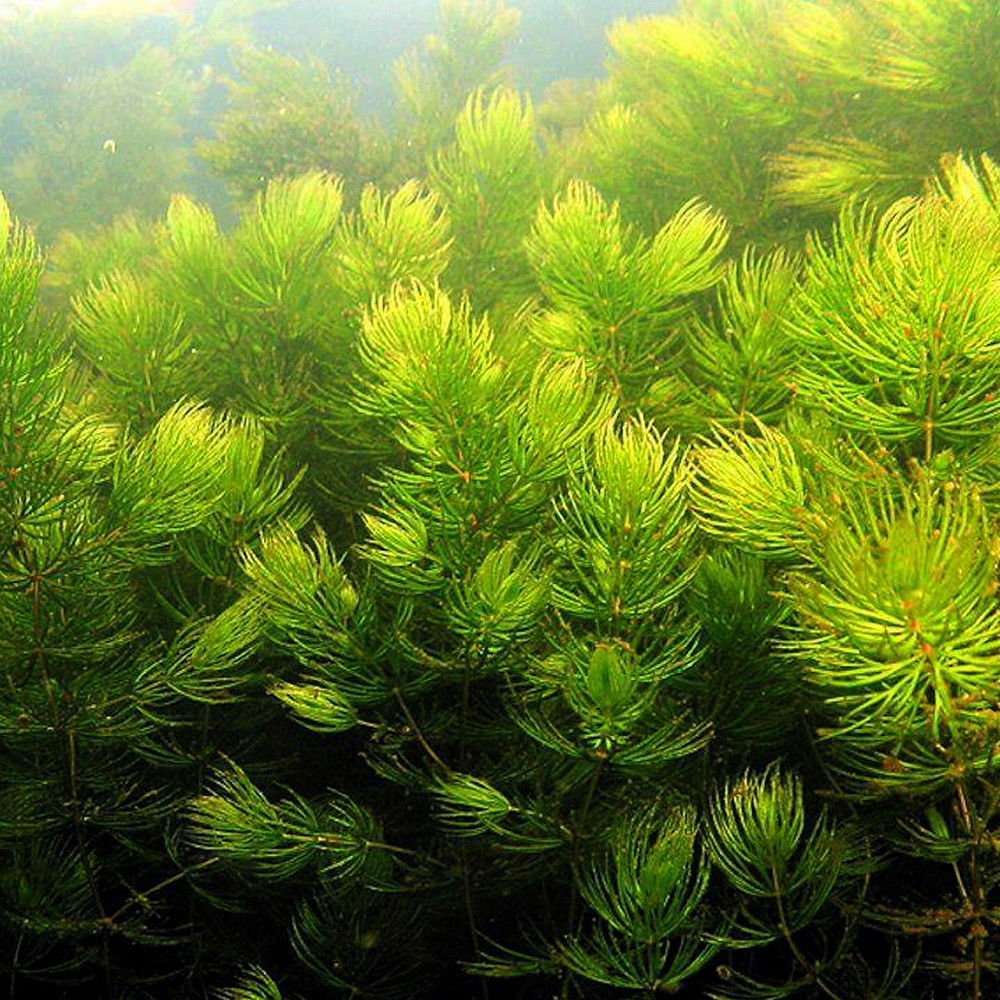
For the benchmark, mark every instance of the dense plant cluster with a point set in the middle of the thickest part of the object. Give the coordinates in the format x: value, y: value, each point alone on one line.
x: 495, y: 581
x: 776, y: 111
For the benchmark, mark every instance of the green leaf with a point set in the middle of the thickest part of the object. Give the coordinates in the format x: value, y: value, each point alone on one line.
x: 749, y: 490
x: 503, y: 600
x: 404, y: 236
x: 169, y: 480
x: 757, y: 835
x: 317, y: 705
x: 254, y: 984
x: 622, y: 543
x: 650, y: 882
x: 610, y: 684
x: 489, y: 180
x: 899, y: 620
x: 305, y: 597
x: 275, y: 842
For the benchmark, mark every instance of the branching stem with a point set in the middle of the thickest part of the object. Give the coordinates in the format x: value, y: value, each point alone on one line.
x: 809, y: 968
x: 412, y: 723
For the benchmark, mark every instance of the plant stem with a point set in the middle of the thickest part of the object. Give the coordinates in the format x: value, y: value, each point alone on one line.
x: 976, y: 896
x: 466, y: 672
x: 160, y: 885
x: 412, y: 723
x: 786, y: 932
x: 595, y: 775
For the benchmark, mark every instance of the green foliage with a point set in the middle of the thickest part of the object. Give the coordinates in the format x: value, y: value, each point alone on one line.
x: 284, y: 117
x: 613, y: 295
x: 757, y: 107
x: 128, y: 330
x: 99, y: 104
x: 98, y: 715
x: 639, y: 633
x: 78, y: 259
x: 489, y: 181
x: 106, y: 142
x: 646, y: 893
x: 238, y: 825
x: 751, y: 492
x: 255, y: 984
x: 896, y: 316
x: 758, y: 840
x: 744, y: 685
x: 262, y: 320
x: 738, y: 364
x: 356, y: 948
x: 759, y: 837
x: 392, y: 238
x: 901, y: 628
x: 463, y: 56
x: 623, y: 534
x: 287, y: 116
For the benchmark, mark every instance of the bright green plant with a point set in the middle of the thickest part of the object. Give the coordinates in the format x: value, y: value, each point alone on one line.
x: 78, y: 259
x: 645, y: 637
x: 614, y: 297
x: 434, y: 83
x: 490, y: 181
x: 906, y: 304
x: 261, y: 321
x: 893, y: 544
x: 764, y: 107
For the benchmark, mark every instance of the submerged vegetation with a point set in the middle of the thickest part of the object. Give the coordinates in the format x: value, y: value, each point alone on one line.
x: 530, y: 552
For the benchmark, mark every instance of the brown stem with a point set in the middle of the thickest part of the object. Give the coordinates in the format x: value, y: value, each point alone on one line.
x: 786, y: 932
x: 124, y: 908
x: 976, y: 896
x: 595, y: 775
x: 412, y: 723
x: 15, y: 961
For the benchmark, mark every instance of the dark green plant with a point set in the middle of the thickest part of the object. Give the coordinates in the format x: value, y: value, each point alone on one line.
x: 104, y: 735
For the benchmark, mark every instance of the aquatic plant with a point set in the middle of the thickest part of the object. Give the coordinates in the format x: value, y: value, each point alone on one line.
x: 776, y: 112
x: 473, y: 584
x: 592, y: 702
x: 108, y: 693
x: 108, y: 141
x: 489, y: 180
x: 99, y: 112
x: 285, y: 116
x: 434, y: 82
x: 78, y: 258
